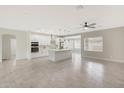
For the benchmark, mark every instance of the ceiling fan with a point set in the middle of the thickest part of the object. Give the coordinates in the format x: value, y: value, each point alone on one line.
x: 85, y: 25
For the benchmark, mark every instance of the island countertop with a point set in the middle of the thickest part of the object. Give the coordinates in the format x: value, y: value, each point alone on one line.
x: 59, y: 54
x: 57, y: 50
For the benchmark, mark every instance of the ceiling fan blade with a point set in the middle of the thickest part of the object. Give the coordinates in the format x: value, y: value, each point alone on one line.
x: 92, y: 24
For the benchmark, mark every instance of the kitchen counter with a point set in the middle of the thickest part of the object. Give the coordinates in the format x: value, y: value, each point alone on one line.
x: 59, y: 50
x: 59, y: 54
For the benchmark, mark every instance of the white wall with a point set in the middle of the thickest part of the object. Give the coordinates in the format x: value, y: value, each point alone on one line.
x: 6, y: 47
x: 28, y: 41
x: 13, y: 47
x: 0, y: 49
x: 22, y: 39
x: 113, y: 44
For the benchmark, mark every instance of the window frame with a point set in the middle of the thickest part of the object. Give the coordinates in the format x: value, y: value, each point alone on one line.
x: 91, y: 47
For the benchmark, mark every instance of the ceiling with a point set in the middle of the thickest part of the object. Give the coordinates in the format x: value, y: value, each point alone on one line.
x: 60, y: 19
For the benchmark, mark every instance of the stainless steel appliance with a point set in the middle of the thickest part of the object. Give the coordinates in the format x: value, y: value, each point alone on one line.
x: 34, y: 47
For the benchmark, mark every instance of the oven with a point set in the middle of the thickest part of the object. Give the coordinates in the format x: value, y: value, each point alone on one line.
x: 34, y: 47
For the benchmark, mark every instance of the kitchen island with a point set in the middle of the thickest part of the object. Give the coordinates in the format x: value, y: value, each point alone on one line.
x: 59, y: 54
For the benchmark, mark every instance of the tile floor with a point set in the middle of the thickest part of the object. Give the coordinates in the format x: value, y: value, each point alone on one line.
x: 72, y: 73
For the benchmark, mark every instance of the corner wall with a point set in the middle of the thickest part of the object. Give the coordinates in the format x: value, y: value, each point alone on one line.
x: 113, y: 44
x: 0, y: 49
x: 22, y: 39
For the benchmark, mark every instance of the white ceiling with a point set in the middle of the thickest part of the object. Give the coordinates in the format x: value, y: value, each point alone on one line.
x: 49, y: 19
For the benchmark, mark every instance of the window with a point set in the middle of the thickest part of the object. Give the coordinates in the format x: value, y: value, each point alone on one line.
x: 77, y: 44
x: 72, y: 42
x: 93, y: 44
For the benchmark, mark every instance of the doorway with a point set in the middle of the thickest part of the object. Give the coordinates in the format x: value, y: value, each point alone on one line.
x: 8, y: 47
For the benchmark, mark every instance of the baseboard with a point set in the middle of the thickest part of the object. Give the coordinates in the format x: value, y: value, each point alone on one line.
x: 31, y: 58
x: 106, y: 59
x: 21, y: 59
x: 38, y: 57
